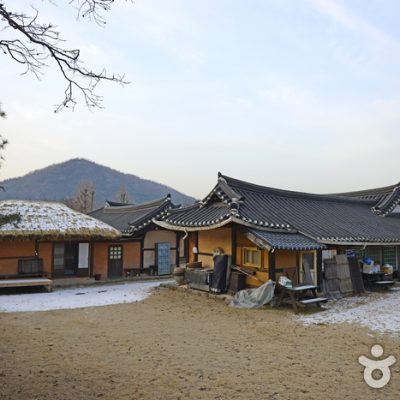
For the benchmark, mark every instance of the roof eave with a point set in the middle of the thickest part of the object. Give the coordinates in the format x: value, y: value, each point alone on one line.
x: 182, y: 228
x: 358, y: 243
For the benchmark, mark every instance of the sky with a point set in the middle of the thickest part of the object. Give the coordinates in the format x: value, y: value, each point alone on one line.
x: 295, y: 94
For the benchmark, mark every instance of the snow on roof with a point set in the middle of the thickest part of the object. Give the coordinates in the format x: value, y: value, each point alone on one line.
x: 51, y: 220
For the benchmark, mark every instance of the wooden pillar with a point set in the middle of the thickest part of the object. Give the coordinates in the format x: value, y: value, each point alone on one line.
x: 91, y: 256
x: 233, y: 245
x: 36, y: 248
x: 141, y: 254
x: 186, y: 248
x: 196, y: 243
x: 177, y: 251
x: 319, y: 268
x: 298, y: 266
x: 272, y: 264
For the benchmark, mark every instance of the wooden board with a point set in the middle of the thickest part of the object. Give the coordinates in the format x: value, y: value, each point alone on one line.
x: 25, y: 282
x: 355, y: 275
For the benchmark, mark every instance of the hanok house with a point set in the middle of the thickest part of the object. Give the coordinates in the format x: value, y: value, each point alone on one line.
x: 269, y: 232
x: 144, y: 247
x: 38, y: 237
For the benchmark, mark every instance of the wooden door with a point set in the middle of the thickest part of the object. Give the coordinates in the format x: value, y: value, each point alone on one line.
x: 65, y: 259
x: 308, y: 261
x: 58, y: 260
x: 163, y: 258
x: 70, y: 259
x: 115, y: 261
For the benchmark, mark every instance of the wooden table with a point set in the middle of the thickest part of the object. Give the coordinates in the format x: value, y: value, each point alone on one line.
x: 297, y: 296
x: 376, y: 280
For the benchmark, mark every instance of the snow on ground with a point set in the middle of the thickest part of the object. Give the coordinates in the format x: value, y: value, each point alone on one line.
x: 89, y: 296
x: 379, y: 312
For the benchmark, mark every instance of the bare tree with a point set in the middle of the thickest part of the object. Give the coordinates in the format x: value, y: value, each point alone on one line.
x: 33, y: 44
x: 10, y: 218
x: 84, y: 198
x: 122, y: 195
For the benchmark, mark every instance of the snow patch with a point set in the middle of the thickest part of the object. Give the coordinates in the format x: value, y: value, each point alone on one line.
x: 379, y: 312
x: 91, y: 296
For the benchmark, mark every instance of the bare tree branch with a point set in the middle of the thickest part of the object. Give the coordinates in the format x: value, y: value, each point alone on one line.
x: 37, y: 44
x: 3, y: 142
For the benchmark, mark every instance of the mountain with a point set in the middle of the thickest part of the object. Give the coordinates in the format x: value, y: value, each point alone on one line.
x: 61, y: 181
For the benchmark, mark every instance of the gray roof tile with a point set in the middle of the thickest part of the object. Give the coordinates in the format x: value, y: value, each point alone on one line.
x: 326, y: 218
x: 286, y: 241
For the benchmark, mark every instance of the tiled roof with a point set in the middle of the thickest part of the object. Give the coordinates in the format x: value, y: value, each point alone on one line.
x: 198, y: 216
x: 375, y: 194
x: 325, y: 218
x: 131, y: 219
x: 386, y: 198
x: 388, y: 203
x: 284, y: 241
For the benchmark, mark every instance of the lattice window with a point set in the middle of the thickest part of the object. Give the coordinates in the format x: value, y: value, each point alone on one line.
x: 251, y: 257
x: 359, y: 253
x: 375, y: 253
x: 58, y: 256
x: 389, y: 255
x: 115, y: 252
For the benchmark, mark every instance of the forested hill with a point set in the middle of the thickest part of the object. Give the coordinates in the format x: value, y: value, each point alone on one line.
x: 62, y: 181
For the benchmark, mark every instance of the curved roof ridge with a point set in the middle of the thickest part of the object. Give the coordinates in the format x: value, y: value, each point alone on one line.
x: 387, y: 203
x: 370, y: 193
x: 111, y: 203
x: 137, y: 207
x: 182, y: 209
x: 288, y: 193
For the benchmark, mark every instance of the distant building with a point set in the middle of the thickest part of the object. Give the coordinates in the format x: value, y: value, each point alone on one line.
x: 144, y: 247
x: 48, y: 238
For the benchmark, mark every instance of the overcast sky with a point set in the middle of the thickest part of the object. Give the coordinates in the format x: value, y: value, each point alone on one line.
x: 295, y: 94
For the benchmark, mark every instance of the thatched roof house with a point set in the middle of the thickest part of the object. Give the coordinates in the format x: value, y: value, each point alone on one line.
x: 48, y: 238
x: 50, y: 221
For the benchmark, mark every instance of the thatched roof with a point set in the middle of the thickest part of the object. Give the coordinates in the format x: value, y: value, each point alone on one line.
x: 50, y: 221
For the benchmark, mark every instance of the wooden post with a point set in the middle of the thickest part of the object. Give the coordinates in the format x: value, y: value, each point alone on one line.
x: 319, y: 269
x: 196, y: 241
x: 177, y: 251
x: 186, y: 249
x: 91, y: 256
x: 141, y: 254
x: 271, y: 262
x: 233, y: 245
x: 37, y: 248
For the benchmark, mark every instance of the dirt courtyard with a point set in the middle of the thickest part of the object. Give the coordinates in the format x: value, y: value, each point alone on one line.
x: 177, y: 345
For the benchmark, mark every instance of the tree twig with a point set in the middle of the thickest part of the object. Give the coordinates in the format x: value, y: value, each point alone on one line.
x: 37, y: 44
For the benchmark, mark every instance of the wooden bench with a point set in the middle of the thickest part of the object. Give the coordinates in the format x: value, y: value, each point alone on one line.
x: 30, y: 273
x: 384, y: 284
x: 26, y: 282
x: 314, y: 300
x: 297, y: 296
